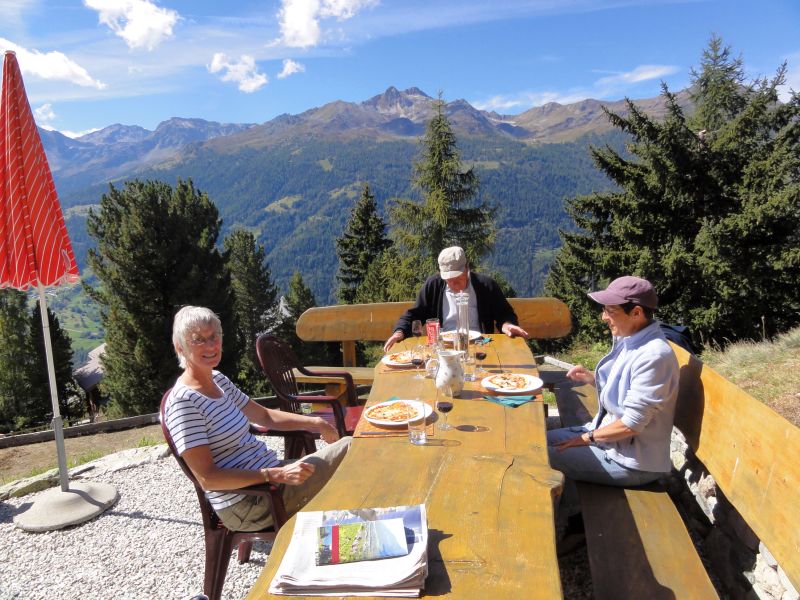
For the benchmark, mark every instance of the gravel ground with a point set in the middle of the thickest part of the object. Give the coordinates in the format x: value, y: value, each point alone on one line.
x: 149, y: 545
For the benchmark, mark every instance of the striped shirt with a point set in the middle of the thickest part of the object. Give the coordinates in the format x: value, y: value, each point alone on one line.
x: 219, y: 423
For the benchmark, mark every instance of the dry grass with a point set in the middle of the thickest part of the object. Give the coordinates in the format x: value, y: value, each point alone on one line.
x: 769, y: 371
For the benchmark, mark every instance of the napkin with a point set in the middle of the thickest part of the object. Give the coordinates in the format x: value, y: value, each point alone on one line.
x: 512, y: 401
x: 483, y: 340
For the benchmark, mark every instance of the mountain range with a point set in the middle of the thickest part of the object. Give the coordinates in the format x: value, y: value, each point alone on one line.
x: 293, y: 180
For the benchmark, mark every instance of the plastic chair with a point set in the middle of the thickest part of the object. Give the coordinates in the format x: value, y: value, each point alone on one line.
x: 278, y: 362
x: 219, y: 540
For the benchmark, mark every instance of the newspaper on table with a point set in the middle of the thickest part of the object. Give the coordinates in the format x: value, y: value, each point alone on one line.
x: 402, y: 576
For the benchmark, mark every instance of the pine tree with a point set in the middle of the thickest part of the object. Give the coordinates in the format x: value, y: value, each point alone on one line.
x: 254, y: 304
x: 70, y: 396
x: 449, y: 214
x: 297, y: 300
x: 16, y: 361
x: 707, y: 210
x: 156, y: 251
x: 363, y: 240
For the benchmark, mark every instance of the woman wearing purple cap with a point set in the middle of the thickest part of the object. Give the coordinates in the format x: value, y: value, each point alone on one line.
x: 628, y: 441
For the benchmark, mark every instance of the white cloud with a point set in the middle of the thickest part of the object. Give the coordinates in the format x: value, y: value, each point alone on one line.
x: 637, y: 75
x: 245, y: 72
x: 11, y: 11
x: 525, y: 100
x: 140, y: 23
x: 44, y: 113
x: 70, y: 134
x: 300, y: 19
x: 290, y: 67
x: 51, y: 65
x: 603, y: 88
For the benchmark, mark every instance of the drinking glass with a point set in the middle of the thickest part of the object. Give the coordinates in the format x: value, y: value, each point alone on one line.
x: 480, y: 356
x: 417, y: 424
x: 418, y: 359
x: 444, y: 405
x: 417, y: 329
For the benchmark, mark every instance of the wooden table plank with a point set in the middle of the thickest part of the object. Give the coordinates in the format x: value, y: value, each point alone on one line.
x: 487, y: 486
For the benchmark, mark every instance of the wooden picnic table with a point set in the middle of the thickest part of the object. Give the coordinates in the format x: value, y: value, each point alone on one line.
x: 486, y: 484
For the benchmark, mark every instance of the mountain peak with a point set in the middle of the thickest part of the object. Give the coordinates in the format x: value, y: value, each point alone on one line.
x: 412, y: 104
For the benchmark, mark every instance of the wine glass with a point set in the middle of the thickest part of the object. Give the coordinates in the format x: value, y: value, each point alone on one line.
x: 480, y: 356
x: 418, y: 359
x: 417, y: 329
x: 444, y: 405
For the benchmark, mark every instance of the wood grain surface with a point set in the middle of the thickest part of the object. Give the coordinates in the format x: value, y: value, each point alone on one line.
x: 487, y: 486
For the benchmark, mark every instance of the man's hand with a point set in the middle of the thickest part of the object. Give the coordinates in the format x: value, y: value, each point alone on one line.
x: 580, y: 374
x: 397, y: 336
x: 291, y: 474
x: 327, y: 431
x: 512, y: 330
x: 580, y: 440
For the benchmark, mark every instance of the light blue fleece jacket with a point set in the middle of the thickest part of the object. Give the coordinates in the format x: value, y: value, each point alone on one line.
x: 637, y: 383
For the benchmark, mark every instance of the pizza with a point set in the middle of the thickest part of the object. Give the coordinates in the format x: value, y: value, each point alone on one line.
x: 403, y: 358
x: 509, y: 381
x: 395, y: 412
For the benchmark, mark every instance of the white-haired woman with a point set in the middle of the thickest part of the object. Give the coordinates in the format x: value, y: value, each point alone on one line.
x: 208, y: 418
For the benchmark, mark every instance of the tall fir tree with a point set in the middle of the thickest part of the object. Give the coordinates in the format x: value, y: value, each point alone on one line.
x: 156, y: 251
x: 707, y: 209
x: 254, y: 296
x: 363, y: 239
x: 16, y: 361
x: 298, y: 299
x: 450, y: 213
x: 70, y: 396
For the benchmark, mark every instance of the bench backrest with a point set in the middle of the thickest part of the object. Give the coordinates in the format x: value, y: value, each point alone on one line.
x: 349, y: 323
x: 750, y: 450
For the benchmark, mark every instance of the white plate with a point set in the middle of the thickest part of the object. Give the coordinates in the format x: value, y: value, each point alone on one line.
x: 531, y: 384
x: 387, y: 359
x: 428, y: 411
x: 449, y: 336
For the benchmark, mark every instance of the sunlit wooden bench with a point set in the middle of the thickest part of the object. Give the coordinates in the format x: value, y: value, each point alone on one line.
x: 542, y: 318
x: 637, y: 542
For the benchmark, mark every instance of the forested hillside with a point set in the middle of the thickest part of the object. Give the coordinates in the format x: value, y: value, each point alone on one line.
x: 295, y: 196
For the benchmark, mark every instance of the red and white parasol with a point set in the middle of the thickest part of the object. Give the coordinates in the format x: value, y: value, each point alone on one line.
x: 35, y: 250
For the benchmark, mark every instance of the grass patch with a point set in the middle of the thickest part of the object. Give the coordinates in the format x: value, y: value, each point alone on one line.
x: 148, y: 441
x: 585, y: 354
x: 769, y: 371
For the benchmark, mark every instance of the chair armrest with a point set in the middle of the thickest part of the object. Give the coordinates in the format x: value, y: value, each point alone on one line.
x: 258, y: 489
x: 352, y: 397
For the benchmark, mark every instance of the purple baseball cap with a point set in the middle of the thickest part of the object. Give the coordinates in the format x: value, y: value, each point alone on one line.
x: 627, y: 289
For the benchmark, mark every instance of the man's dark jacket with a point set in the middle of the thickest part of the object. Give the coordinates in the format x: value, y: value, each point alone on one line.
x: 493, y: 308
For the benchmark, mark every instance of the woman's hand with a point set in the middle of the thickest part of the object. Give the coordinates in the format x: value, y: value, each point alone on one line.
x: 292, y: 474
x: 580, y: 440
x: 327, y: 431
x: 581, y: 374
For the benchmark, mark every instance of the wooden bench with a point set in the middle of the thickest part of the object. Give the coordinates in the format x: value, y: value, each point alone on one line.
x: 638, y: 544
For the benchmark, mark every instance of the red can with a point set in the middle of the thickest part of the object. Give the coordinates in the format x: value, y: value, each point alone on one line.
x: 432, y: 331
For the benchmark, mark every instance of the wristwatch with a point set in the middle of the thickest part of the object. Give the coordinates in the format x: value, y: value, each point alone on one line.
x: 591, y: 436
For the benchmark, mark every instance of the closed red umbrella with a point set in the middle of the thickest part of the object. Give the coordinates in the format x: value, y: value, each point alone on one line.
x: 35, y: 250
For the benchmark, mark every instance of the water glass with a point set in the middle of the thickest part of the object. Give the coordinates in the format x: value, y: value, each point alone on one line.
x: 417, y: 426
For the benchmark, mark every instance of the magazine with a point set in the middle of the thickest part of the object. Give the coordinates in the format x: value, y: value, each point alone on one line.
x: 362, y: 540
x: 307, y: 569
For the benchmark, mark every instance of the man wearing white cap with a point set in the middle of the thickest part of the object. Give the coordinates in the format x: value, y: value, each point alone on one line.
x: 628, y: 441
x: 488, y: 307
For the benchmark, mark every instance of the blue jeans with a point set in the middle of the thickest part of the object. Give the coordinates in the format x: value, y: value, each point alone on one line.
x: 587, y: 463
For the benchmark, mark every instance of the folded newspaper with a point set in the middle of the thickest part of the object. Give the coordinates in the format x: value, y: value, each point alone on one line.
x: 308, y: 567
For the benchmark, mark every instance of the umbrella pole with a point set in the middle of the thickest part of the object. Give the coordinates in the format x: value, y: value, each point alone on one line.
x: 58, y: 427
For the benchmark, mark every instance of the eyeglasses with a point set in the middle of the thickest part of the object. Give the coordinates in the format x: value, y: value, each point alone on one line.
x: 198, y: 340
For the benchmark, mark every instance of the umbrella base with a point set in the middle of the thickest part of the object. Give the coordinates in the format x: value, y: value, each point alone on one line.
x: 55, y: 509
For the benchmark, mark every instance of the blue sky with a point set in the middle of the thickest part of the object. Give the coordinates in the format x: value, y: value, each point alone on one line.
x: 90, y: 63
